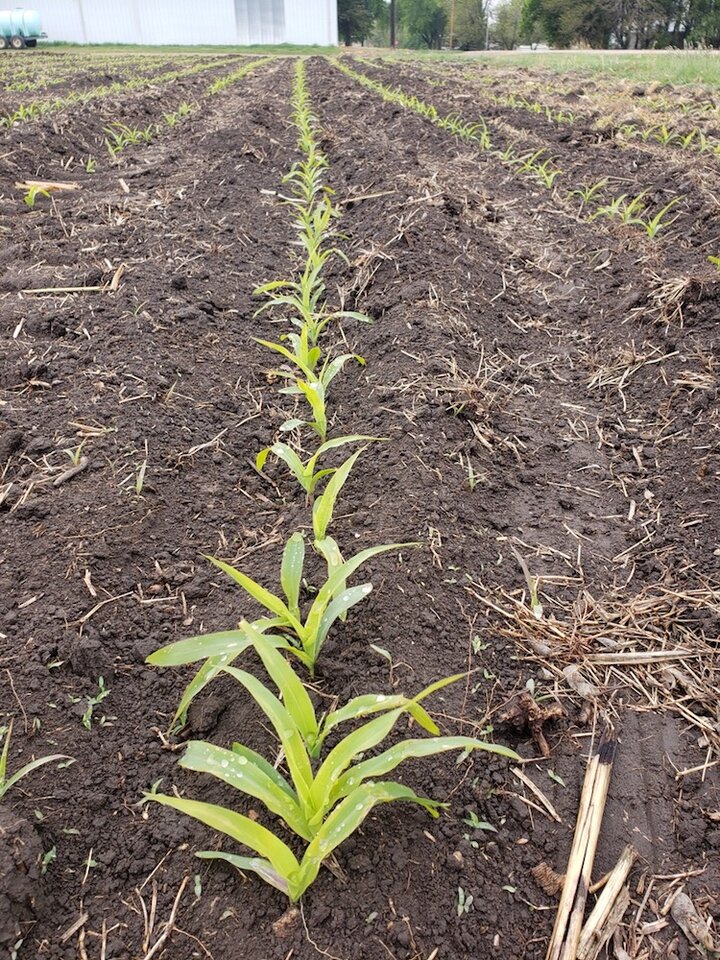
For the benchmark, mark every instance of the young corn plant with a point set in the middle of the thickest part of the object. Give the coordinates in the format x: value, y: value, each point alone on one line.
x: 326, y: 795
x: 308, y: 475
x: 587, y: 193
x: 659, y: 222
x: 303, y: 636
x: 547, y: 173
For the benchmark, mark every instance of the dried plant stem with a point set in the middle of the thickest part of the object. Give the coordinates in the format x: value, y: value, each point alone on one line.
x: 568, y: 923
x: 598, y: 929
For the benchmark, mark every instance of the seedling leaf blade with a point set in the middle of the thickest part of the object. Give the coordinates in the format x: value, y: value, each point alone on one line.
x: 263, y: 868
x: 239, y: 828
x: 389, y: 759
x: 347, y: 817
x: 241, y: 772
x: 291, y: 571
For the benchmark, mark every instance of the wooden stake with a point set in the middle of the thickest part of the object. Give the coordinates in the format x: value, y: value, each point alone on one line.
x: 568, y: 923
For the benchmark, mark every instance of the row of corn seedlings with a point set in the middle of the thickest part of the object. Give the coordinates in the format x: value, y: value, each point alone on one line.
x: 532, y: 163
x: 41, y: 108
x: 120, y: 136
x: 322, y: 795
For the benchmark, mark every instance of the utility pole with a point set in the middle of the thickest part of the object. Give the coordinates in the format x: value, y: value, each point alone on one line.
x: 487, y: 25
x: 452, y: 23
x: 392, y: 24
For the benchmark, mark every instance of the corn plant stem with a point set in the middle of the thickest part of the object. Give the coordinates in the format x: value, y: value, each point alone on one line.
x: 597, y: 921
x: 568, y: 923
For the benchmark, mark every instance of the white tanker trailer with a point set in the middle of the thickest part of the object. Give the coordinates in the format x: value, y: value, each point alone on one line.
x: 19, y: 28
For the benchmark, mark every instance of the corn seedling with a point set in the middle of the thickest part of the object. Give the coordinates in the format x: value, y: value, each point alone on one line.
x: 307, y: 474
x: 527, y: 162
x: 9, y: 780
x: 547, y: 173
x: 75, y: 453
x: 90, y: 165
x: 324, y: 505
x: 322, y: 803
x: 686, y: 141
x: 304, y: 638
x: 630, y: 213
x: 659, y: 221
x: 588, y: 193
x: 120, y: 136
x: 611, y: 210
x: 715, y: 261
x: 662, y: 134
x: 33, y: 193
x: 508, y: 154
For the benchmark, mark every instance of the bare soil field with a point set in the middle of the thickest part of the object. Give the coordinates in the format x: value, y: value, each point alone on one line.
x: 543, y: 363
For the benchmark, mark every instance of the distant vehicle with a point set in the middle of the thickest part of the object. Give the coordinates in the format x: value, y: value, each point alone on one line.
x: 19, y: 28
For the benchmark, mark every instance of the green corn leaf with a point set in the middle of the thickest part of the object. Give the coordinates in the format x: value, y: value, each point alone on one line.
x: 345, y: 820
x: 363, y: 706
x: 329, y: 549
x: 315, y: 396
x: 343, y: 754
x: 241, y: 773
x: 262, y: 764
x: 333, y: 367
x: 351, y: 315
x: 6, y: 784
x: 193, y: 649
x: 294, y: 695
x: 4, y: 754
x: 288, y: 733
x: 339, y: 607
x: 291, y: 571
x: 292, y: 357
x: 331, y: 552
x: 337, y: 442
x: 263, y: 868
x: 282, y: 451
x: 264, y: 597
x: 389, y: 759
x: 330, y: 588
x: 207, y: 672
x: 292, y: 424
x: 325, y: 505
x: 420, y: 715
x: 271, y: 286
x: 239, y: 828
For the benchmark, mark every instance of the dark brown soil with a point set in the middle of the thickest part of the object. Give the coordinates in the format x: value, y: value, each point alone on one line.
x: 539, y: 349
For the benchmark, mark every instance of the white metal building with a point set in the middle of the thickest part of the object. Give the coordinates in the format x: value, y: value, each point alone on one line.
x: 190, y: 21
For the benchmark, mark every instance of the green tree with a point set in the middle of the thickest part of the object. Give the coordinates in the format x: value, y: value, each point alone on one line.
x: 423, y: 22
x: 355, y: 20
x: 471, y: 24
x: 565, y: 22
x: 507, y: 30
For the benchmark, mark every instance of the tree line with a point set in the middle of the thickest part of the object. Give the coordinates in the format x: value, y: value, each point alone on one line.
x: 476, y: 24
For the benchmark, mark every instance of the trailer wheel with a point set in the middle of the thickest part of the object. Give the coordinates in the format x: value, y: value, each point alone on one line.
x: 17, y: 43
x: 4, y: 43
x: 31, y: 43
